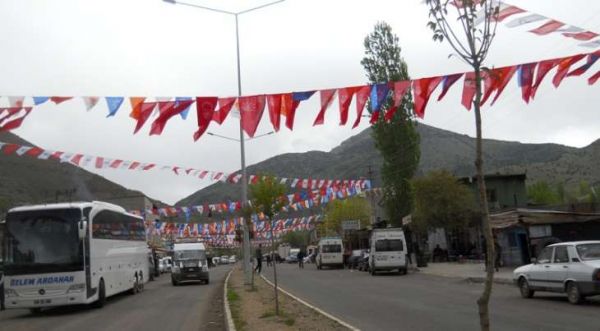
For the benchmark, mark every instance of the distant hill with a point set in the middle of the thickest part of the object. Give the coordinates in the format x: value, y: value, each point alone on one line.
x: 26, y: 180
x: 440, y: 149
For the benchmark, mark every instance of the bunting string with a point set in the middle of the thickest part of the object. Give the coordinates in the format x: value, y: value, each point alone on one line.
x: 101, y: 162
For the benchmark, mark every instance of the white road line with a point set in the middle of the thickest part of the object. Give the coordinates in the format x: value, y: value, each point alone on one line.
x: 318, y: 310
x: 230, y: 326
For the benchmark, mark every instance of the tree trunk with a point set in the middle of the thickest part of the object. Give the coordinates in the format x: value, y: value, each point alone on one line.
x: 274, y: 272
x: 483, y: 301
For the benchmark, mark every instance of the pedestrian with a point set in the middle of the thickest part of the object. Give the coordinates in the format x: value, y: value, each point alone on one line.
x: 498, y: 257
x: 259, y: 259
x: 301, y: 259
x: 268, y: 260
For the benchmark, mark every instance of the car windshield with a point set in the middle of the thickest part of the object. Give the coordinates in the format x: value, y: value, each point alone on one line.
x: 190, y: 255
x: 43, y: 241
x: 589, y: 251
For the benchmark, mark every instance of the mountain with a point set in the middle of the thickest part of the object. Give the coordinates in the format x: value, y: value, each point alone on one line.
x: 27, y: 180
x: 440, y: 149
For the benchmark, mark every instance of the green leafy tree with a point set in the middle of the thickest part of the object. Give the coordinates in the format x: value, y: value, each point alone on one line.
x: 398, y: 139
x: 296, y: 238
x: 542, y: 193
x: 471, y: 42
x: 268, y: 196
x: 355, y: 208
x: 441, y: 201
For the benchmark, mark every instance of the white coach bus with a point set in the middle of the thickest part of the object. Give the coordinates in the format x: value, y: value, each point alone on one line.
x: 72, y: 253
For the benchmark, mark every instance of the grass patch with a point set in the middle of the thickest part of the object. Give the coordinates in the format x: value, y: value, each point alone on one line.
x: 234, y: 304
x: 232, y: 295
x: 289, y: 321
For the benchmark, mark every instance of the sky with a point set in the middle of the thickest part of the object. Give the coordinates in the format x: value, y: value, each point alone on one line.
x: 153, y: 48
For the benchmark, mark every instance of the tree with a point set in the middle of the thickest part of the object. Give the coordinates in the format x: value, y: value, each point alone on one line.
x: 355, y: 208
x: 473, y: 48
x: 296, y: 238
x: 441, y: 201
x: 268, y: 196
x: 397, y: 140
x: 543, y: 194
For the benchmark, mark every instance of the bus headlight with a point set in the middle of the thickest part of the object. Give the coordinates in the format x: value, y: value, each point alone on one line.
x: 10, y: 293
x: 76, y: 288
x: 204, y: 268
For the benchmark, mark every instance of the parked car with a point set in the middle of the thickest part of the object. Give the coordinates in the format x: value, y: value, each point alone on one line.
x: 232, y: 259
x: 165, y: 264
x: 571, y: 267
x: 292, y: 258
x: 224, y: 259
x: 354, y: 258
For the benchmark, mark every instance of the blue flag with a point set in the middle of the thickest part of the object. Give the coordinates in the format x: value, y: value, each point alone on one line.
x: 301, y: 96
x: 113, y: 105
x: 40, y: 100
x: 185, y: 112
x: 379, y: 93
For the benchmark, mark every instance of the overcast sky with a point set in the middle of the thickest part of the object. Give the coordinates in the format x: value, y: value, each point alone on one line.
x: 152, y: 48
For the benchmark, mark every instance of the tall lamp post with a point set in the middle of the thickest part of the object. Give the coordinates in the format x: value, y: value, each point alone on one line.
x: 246, y: 241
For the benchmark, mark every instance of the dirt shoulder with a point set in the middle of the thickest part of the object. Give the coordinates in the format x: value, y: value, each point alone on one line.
x: 254, y: 310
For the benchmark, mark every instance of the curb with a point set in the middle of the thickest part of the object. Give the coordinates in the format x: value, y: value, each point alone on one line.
x: 318, y: 310
x: 229, y: 325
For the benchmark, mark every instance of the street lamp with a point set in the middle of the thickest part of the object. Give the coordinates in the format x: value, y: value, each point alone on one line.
x: 246, y: 242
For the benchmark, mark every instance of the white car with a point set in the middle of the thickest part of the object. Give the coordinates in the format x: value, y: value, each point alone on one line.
x: 571, y: 267
x: 232, y: 259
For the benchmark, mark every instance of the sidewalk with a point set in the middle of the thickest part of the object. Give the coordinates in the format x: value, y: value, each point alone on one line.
x: 474, y: 272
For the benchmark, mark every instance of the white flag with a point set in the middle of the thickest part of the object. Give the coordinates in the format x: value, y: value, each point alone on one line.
x: 525, y: 20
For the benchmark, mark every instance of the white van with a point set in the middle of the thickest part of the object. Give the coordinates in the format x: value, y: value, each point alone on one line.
x: 388, y: 251
x: 189, y: 263
x: 330, y: 253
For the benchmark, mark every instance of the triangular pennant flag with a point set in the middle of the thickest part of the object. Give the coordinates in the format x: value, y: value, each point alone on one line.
x: 326, y: 100
x: 205, y: 108
x: 526, y: 72
x: 469, y: 90
x: 563, y: 68
x: 274, y: 106
x: 14, y: 119
x: 543, y: 67
x: 251, y: 110
x: 447, y: 82
x: 289, y: 104
x: 379, y: 94
x: 59, y: 100
x: 345, y: 98
x: 591, y: 59
x: 583, y: 36
x: 136, y: 104
x: 113, y: 103
x: 362, y: 95
x: 592, y: 80
x: 184, y: 113
x: 506, y: 75
x: 40, y: 100
x: 225, y: 105
x: 90, y: 102
x: 493, y: 80
x: 547, y: 28
x: 508, y: 11
x: 146, y: 109
x: 399, y: 89
x: 525, y: 20
x: 422, y: 90
x: 168, y: 109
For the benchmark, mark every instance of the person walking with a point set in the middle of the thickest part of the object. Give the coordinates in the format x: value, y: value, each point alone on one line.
x: 300, y: 257
x: 259, y: 259
x: 268, y: 260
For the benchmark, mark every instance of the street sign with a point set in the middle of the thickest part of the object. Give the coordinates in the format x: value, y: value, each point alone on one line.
x: 351, y: 225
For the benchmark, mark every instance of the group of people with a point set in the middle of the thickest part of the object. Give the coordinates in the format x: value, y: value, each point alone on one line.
x: 259, y: 257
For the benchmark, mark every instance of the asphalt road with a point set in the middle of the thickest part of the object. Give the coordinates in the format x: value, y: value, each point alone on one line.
x: 160, y: 306
x: 422, y: 302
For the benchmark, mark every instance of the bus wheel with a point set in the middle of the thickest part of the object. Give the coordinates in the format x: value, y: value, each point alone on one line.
x: 101, y: 295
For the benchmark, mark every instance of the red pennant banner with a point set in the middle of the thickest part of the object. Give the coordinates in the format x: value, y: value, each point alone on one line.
x: 399, y: 90
x: 251, y: 110
x: 345, y: 98
x: 274, y: 106
x: 168, y: 109
x: 225, y: 105
x: 205, y: 108
x: 326, y: 100
x: 422, y: 89
x: 362, y: 95
x: 146, y: 109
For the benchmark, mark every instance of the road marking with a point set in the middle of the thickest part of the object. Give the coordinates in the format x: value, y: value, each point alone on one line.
x: 230, y: 326
x: 318, y: 310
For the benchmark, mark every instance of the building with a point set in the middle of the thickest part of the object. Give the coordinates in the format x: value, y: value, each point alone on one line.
x: 502, y: 190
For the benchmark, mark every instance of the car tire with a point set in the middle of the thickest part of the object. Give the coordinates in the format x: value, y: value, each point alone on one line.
x: 526, y: 291
x: 101, y: 295
x: 573, y: 293
x: 174, y: 282
x: 206, y: 281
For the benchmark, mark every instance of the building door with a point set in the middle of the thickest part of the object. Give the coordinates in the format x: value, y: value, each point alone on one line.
x: 524, y: 248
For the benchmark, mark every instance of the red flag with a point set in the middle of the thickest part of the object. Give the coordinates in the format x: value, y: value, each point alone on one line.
x: 251, y: 110
x: 274, y: 105
x: 493, y: 79
x: 508, y: 11
x: 592, y: 80
x: 547, y: 28
x: 526, y: 72
x: 591, y: 59
x: 136, y: 106
x: 58, y: 100
x: 345, y: 98
x: 225, y: 105
x: 399, y: 89
x: 99, y: 162
x: 205, y: 108
x: 77, y: 159
x: 422, y: 89
x: 168, y: 109
x: 447, y: 82
x: 146, y: 109
x: 563, y: 68
x: 362, y: 95
x: 14, y: 117
x: 469, y: 89
x: 584, y: 36
x: 543, y: 68
x: 10, y: 148
x: 506, y: 75
x: 326, y: 99
x: 35, y: 151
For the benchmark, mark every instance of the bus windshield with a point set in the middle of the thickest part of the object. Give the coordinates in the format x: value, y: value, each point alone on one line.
x: 41, y: 241
x: 190, y: 255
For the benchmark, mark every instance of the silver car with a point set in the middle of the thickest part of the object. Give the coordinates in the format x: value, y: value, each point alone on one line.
x: 571, y: 267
